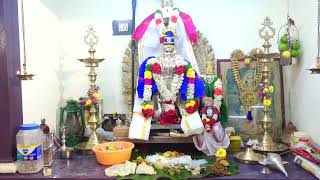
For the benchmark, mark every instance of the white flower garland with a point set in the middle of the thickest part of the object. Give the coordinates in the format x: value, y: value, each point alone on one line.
x: 165, y: 93
x: 147, y: 93
x: 167, y: 107
x: 190, y: 91
x: 175, y: 83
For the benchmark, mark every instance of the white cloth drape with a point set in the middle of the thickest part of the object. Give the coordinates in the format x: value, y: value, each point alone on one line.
x: 149, y: 45
x: 209, y: 142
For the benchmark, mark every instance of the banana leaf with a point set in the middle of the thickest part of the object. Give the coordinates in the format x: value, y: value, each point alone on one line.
x: 232, y: 169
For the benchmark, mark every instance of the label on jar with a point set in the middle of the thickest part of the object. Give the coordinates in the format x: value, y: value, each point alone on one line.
x: 29, y: 153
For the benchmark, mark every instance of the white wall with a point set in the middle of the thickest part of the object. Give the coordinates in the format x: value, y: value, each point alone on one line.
x: 60, y: 26
x: 227, y: 24
x: 302, y: 98
x: 74, y: 23
x: 40, y: 96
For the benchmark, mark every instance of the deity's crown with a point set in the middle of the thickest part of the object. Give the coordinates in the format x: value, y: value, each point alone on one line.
x: 209, y: 67
x: 168, y: 38
x: 165, y: 3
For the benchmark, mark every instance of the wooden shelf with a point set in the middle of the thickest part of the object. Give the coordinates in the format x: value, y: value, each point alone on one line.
x: 159, y: 140
x: 165, y: 127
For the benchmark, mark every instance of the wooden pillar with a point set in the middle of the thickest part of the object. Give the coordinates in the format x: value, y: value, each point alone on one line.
x: 10, y: 85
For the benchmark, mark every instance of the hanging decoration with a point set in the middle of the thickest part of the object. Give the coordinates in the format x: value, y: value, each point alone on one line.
x: 24, y: 74
x: 288, y: 43
x: 248, y: 94
x: 316, y: 68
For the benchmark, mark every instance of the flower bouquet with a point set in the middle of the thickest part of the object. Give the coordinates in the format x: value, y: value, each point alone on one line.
x: 92, y: 98
x: 265, y: 94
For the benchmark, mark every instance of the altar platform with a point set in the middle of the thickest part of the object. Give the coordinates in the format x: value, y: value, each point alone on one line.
x: 86, y: 167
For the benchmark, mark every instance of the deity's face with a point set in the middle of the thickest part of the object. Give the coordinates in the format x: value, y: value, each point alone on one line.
x: 168, y: 50
x: 209, y: 78
x: 249, y: 78
x: 166, y: 11
x: 167, y: 7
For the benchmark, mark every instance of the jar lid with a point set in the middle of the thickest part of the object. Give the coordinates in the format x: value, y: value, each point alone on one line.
x: 29, y: 126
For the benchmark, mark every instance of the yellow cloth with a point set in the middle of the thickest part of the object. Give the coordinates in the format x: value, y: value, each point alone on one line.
x: 235, y: 138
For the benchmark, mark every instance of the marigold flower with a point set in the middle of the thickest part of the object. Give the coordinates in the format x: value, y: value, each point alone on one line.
x: 147, y: 106
x: 267, y: 102
x: 190, y: 103
x: 271, y: 89
x: 89, y: 102
x: 247, y: 61
x: 266, y: 90
x: 221, y: 153
x: 96, y: 95
x: 191, y: 73
x: 147, y: 74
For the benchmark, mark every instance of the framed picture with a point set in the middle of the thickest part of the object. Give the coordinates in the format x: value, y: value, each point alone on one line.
x: 238, y: 113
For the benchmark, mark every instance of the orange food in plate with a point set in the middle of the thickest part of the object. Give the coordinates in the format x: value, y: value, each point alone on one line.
x: 111, y: 153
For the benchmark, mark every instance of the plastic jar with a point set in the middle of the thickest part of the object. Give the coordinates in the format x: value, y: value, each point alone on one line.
x: 29, y: 148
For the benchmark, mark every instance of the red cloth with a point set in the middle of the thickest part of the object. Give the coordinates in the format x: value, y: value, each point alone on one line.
x: 141, y: 29
x: 187, y: 21
x: 189, y: 27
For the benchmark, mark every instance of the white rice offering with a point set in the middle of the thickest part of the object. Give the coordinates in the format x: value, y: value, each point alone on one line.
x: 185, y: 160
x: 197, y: 163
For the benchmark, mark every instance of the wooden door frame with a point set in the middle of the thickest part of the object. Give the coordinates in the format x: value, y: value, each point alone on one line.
x: 10, y: 86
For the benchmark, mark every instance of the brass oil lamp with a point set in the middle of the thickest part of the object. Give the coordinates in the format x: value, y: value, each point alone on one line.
x: 91, y: 39
x: 24, y: 74
x: 267, y: 32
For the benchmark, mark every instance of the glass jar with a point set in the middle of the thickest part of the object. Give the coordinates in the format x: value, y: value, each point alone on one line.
x: 48, y: 149
x: 29, y: 149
